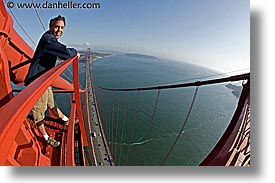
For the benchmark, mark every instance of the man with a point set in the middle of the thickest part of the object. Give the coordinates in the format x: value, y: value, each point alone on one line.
x: 45, y: 56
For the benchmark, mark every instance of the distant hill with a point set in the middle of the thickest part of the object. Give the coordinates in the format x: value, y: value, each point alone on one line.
x: 102, y: 54
x: 236, y: 90
x: 139, y: 55
x: 98, y: 54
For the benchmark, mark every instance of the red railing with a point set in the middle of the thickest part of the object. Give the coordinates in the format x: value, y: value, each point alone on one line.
x: 14, y: 113
x: 69, y: 157
x: 15, y: 58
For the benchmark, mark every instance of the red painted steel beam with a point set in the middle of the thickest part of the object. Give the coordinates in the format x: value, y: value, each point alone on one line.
x: 78, y: 104
x: 58, y: 91
x: 221, y: 152
x: 87, y: 105
x: 6, y: 89
x: 62, y: 84
x: 14, y: 113
x: 69, y: 161
x: 79, y: 110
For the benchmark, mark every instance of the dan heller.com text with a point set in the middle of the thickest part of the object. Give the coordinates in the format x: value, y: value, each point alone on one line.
x: 60, y: 5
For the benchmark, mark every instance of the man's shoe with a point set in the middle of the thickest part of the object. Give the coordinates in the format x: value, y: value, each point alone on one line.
x: 53, y: 142
x: 66, y: 123
x: 65, y: 120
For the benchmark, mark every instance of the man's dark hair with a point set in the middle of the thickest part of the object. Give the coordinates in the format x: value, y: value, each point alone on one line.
x: 59, y: 17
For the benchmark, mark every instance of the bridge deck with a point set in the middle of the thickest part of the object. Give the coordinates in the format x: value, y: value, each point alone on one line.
x: 102, y: 156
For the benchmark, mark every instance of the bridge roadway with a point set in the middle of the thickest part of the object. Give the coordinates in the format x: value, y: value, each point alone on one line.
x: 101, y: 150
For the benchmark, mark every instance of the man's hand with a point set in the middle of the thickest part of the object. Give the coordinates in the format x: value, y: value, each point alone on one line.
x: 78, y: 55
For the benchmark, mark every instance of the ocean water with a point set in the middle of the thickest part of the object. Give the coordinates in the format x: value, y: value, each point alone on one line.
x: 212, y: 111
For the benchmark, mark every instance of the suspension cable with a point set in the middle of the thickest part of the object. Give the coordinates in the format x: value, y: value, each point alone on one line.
x: 69, y: 69
x: 150, y: 125
x: 209, y: 76
x: 133, y: 127
x: 183, y: 126
x: 68, y: 78
x: 197, y: 83
x: 113, y: 117
x: 123, y: 125
x: 22, y: 28
x: 39, y: 18
x: 109, y: 117
x: 118, y: 102
x: 70, y: 72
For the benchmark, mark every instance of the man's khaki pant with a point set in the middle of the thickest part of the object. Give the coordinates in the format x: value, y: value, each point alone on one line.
x: 45, y: 101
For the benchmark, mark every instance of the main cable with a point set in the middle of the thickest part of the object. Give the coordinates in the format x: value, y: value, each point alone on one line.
x: 17, y: 21
x: 39, y: 18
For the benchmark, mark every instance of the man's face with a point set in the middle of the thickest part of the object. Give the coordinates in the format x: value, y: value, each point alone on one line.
x: 58, y: 28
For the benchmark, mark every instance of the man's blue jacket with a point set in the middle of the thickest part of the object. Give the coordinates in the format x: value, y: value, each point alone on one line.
x: 45, y: 56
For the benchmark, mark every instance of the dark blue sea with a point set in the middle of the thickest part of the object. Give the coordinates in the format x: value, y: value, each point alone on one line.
x: 212, y: 111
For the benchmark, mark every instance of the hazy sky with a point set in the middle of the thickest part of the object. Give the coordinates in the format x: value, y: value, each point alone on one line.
x: 212, y: 33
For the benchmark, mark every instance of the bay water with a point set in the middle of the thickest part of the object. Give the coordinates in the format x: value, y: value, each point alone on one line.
x: 212, y: 111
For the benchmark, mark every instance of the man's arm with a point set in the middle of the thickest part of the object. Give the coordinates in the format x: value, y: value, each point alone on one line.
x: 53, y: 47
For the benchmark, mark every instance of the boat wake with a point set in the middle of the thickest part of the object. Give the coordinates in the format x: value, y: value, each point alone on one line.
x: 141, y: 143
x: 161, y: 138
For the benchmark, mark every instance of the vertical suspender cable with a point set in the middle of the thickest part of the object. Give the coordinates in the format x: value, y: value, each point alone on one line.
x: 109, y: 119
x: 106, y: 109
x: 182, y: 128
x: 117, y: 117
x: 123, y: 124
x: 150, y: 125
x: 133, y: 128
x: 113, y: 117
